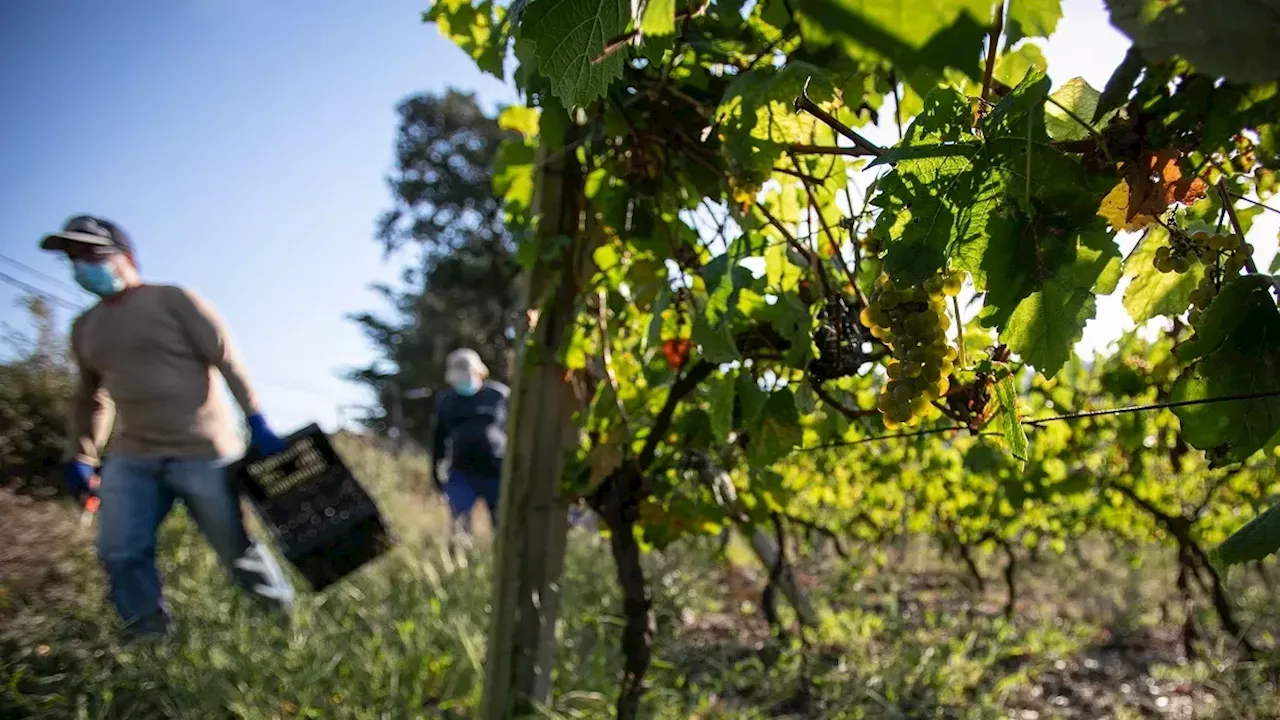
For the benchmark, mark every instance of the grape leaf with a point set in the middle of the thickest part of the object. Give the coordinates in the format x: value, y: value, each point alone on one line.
x: 1070, y: 115
x: 1236, y: 350
x: 1035, y: 18
x: 949, y: 190
x: 921, y: 39
x: 1042, y: 289
x: 758, y: 119
x: 1259, y: 538
x: 1013, y: 67
x: 472, y: 28
x: 568, y: 36
x: 659, y: 18
x: 1152, y: 293
x: 521, y: 119
x: 715, y: 339
x: 720, y: 390
x: 1232, y: 40
x: 778, y: 431
x: 513, y: 174
x: 1006, y: 395
x: 750, y: 397
x: 1147, y: 187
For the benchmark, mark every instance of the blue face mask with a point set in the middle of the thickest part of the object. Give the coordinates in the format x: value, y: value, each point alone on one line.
x: 467, y: 387
x: 97, y: 278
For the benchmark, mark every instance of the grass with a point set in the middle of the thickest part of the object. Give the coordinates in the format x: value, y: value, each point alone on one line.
x: 405, y: 637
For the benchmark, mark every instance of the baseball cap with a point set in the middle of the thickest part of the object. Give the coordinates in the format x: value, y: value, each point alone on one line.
x: 86, y: 230
x: 465, y: 360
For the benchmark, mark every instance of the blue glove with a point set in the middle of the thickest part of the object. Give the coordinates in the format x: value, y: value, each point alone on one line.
x: 261, y: 439
x: 77, y: 476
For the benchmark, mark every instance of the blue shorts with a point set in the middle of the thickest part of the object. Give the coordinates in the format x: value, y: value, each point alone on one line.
x: 463, y: 489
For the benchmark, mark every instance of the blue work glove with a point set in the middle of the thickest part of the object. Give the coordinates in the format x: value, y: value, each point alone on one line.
x: 78, y: 476
x: 261, y: 438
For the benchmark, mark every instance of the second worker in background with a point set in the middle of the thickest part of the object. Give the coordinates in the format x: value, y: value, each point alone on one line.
x: 470, y: 431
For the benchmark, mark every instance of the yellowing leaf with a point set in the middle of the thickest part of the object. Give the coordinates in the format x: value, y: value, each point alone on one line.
x: 521, y: 119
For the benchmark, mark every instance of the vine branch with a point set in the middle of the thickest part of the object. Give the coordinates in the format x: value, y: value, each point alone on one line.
x: 806, y: 104
x: 993, y: 43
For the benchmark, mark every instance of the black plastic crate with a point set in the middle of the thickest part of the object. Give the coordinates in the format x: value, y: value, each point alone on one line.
x: 320, y: 517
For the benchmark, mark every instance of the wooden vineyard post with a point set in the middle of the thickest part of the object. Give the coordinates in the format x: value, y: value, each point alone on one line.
x: 532, y: 517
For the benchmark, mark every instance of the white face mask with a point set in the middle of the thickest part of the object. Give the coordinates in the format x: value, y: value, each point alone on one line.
x: 462, y: 381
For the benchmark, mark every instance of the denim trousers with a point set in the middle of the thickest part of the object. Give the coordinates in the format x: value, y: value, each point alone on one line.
x: 136, y: 496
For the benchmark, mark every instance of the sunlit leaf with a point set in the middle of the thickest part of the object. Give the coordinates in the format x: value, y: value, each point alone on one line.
x: 1009, y: 421
x: 1152, y: 293
x: 659, y: 18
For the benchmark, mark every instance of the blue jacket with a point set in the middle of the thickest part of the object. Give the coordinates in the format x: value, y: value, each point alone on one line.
x: 472, y: 430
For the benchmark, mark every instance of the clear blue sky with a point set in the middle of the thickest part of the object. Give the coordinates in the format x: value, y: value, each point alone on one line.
x: 242, y: 143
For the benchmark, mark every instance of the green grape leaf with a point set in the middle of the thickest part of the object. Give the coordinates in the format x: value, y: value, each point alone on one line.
x: 659, y: 18
x: 1035, y: 18
x: 1042, y: 290
x: 513, y: 174
x: 1235, y: 40
x: 757, y: 117
x: 1152, y: 293
x: 720, y: 391
x: 1259, y: 538
x: 751, y: 397
x: 1236, y: 350
x: 1013, y: 67
x: 521, y: 119
x: 921, y: 39
x: 569, y: 35
x: 474, y: 29
x: 778, y: 431
x: 1070, y: 112
x: 1009, y: 422
x: 949, y: 193
x: 715, y: 339
x: 1116, y: 92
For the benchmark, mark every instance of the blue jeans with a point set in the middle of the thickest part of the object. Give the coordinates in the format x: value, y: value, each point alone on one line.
x: 137, y: 494
x: 463, y: 490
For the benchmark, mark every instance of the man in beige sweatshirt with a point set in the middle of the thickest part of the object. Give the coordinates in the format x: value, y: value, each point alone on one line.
x: 147, y: 355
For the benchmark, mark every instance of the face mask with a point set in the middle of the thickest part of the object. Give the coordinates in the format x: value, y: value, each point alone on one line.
x: 98, y: 279
x: 466, y: 387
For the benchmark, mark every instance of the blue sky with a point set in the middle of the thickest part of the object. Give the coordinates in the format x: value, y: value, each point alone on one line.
x: 243, y: 144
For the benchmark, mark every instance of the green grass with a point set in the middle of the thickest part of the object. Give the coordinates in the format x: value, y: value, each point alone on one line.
x: 405, y: 637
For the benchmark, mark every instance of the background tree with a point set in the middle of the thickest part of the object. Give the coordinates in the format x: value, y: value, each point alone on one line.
x: 462, y: 291
x: 35, y: 389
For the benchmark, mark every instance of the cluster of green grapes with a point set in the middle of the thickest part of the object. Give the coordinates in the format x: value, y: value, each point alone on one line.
x: 1184, y: 250
x: 912, y: 321
x: 1222, y: 255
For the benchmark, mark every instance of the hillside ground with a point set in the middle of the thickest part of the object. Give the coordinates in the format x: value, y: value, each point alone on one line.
x: 1094, y: 635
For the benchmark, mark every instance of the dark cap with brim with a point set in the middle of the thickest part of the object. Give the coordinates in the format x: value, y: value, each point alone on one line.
x: 87, y: 232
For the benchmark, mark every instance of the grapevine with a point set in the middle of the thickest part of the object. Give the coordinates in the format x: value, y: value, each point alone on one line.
x: 685, y: 119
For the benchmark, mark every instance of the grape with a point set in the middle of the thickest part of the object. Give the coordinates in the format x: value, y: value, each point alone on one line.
x: 951, y: 286
x: 839, y: 338
x: 912, y: 321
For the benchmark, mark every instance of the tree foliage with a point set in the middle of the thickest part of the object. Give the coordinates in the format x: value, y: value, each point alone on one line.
x: 35, y: 394
x: 463, y: 292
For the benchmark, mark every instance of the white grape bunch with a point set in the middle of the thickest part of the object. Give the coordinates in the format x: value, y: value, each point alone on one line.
x: 912, y: 321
